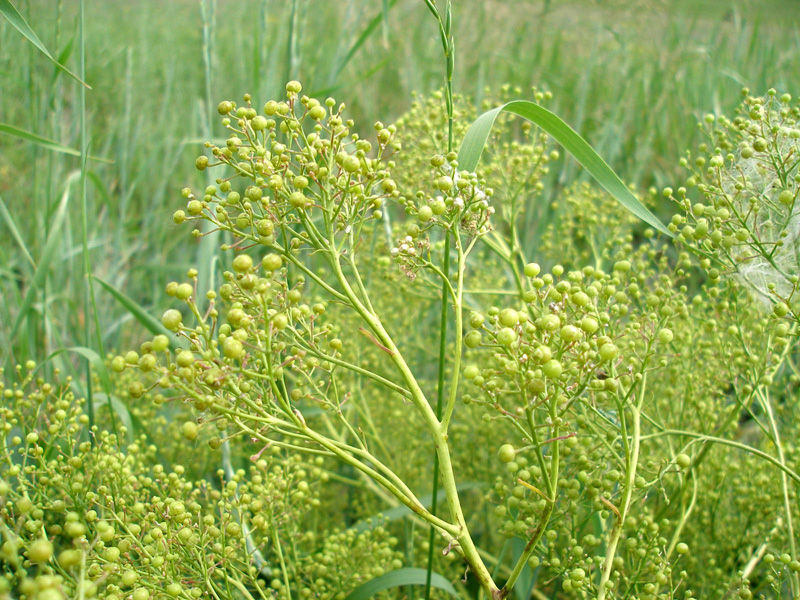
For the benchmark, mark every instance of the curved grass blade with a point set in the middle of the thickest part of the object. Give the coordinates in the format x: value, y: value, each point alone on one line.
x: 478, y: 133
x: 94, y: 359
x: 140, y: 314
x: 402, y: 511
x: 12, y: 225
x: 400, y: 578
x: 119, y: 409
x: 103, y: 399
x: 20, y: 24
x: 363, y: 37
x: 53, y: 239
x: 44, y: 142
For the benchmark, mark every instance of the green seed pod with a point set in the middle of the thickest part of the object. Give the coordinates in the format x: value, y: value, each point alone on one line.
x: 665, y: 336
x: 201, y: 163
x: 171, y: 319
x: 351, y: 163
x: 298, y: 200
x: 118, y: 364
x: 160, y: 343
x: 473, y: 339
x: 272, y: 262
x: 190, y: 430
x: 570, y: 333
x: 40, y: 551
x: 69, y: 559
x: 532, y: 270
x: 243, y: 263
x: 607, y: 352
x: 508, y: 317
x: 589, y: 325
x: 505, y: 337
x: 507, y: 453
x: 233, y: 348
x: 317, y: 113
x: 259, y: 123
x: 552, y: 369
x: 184, y: 291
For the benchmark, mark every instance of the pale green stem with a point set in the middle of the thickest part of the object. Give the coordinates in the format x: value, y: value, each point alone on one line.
x: 551, y: 483
x: 632, y: 460
x: 459, y: 334
x: 717, y: 440
x: 434, y: 427
x: 787, y: 503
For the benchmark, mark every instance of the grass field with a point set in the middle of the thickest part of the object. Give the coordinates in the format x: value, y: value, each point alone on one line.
x: 633, y: 78
x: 400, y: 372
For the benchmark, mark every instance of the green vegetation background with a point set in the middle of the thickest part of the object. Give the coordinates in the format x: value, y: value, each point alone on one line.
x: 632, y: 77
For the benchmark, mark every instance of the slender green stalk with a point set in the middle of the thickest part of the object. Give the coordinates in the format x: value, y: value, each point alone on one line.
x: 631, y: 466
x: 447, y: 42
x: 787, y: 502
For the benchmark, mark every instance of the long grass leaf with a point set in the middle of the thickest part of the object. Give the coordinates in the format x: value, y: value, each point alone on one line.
x: 400, y: 578
x: 94, y: 359
x: 363, y: 37
x: 12, y: 226
x: 20, y: 24
x: 478, y: 133
x: 140, y: 314
x: 118, y: 408
x: 399, y: 512
x: 44, y: 142
x: 46, y: 259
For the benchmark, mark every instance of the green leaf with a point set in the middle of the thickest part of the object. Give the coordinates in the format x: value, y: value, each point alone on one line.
x: 152, y: 324
x: 20, y: 24
x: 120, y: 410
x: 478, y: 133
x: 399, y: 512
x: 400, y: 578
x: 97, y: 362
x: 12, y: 225
x: 102, y: 399
x: 363, y: 37
x: 44, y: 142
x: 46, y: 259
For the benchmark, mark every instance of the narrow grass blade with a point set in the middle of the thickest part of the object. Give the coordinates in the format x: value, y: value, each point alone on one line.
x: 97, y: 363
x: 37, y: 139
x: 44, y: 142
x: 363, y: 37
x: 95, y: 360
x: 474, y: 141
x: 399, y: 512
x: 20, y: 24
x: 400, y: 578
x: 140, y: 314
x: 12, y: 226
x: 119, y: 410
x: 46, y: 259
x: 526, y: 581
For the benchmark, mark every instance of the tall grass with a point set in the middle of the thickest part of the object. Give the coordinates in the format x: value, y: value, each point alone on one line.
x: 632, y: 82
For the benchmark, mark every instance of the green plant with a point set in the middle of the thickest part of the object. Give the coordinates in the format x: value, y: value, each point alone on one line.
x: 384, y: 358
